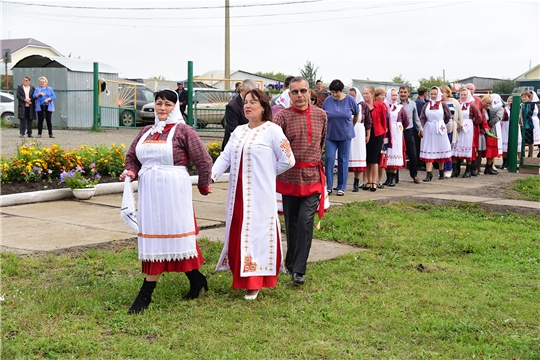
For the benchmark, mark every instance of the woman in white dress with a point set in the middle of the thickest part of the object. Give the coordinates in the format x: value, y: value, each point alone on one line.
x: 464, y: 147
x: 167, y: 228
x: 399, y: 120
x: 536, y: 123
x: 434, y: 145
x: 256, y: 153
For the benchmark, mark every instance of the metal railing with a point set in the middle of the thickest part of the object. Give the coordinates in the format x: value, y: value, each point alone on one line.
x: 209, y: 109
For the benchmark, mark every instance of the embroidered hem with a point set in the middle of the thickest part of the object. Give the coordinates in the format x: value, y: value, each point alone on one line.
x: 168, y: 257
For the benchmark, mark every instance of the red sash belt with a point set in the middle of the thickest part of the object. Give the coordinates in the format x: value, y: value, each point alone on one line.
x: 305, y: 165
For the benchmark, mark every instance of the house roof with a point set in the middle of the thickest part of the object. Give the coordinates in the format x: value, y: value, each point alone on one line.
x: 522, y: 76
x: 220, y: 74
x: 63, y: 62
x: 18, y: 44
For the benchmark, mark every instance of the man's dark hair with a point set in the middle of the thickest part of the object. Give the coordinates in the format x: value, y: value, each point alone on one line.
x: 288, y: 81
x: 406, y: 87
x: 318, y: 81
x: 421, y: 91
x: 166, y: 95
x: 336, y: 85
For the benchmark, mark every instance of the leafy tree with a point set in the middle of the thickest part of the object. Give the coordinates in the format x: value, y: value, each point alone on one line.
x: 159, y: 78
x: 432, y: 81
x: 3, y: 82
x: 505, y: 86
x: 272, y: 75
x: 399, y: 79
x: 310, y: 73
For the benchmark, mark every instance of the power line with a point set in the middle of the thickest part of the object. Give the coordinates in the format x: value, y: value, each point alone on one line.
x: 42, y: 17
x: 161, y: 9
x: 86, y: 16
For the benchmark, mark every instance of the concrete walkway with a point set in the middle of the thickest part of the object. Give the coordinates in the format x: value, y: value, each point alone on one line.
x: 52, y: 221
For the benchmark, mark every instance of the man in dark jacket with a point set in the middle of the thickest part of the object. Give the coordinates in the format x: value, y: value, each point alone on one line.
x: 234, y: 111
x: 420, y: 102
x: 182, y: 97
x: 27, y: 107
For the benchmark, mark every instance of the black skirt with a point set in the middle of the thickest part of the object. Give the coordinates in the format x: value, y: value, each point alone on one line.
x: 373, y: 149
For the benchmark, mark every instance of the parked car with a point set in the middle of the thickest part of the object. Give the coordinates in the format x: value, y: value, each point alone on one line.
x: 143, y: 96
x: 209, y: 107
x: 7, y: 107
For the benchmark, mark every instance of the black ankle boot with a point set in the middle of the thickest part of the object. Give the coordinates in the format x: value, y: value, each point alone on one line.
x: 490, y: 170
x: 144, y: 298
x: 504, y: 164
x: 429, y: 176
x: 467, y: 173
x: 473, y: 168
x: 396, y: 176
x: 392, y: 179
x: 356, y: 185
x: 456, y: 169
x: 387, y: 182
x: 197, y: 281
x: 441, y: 174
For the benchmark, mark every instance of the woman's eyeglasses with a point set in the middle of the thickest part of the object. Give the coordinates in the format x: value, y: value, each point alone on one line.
x: 302, y: 91
x: 313, y: 99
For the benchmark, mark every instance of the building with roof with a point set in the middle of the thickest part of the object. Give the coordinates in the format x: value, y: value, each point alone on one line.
x: 72, y: 81
x: 386, y: 85
x: 21, y: 48
x: 481, y: 84
x: 530, y: 78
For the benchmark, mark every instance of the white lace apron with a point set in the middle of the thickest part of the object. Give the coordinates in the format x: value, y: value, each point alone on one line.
x: 166, y: 220
x: 395, y: 153
x: 357, y: 154
x: 435, y: 144
x: 463, y: 147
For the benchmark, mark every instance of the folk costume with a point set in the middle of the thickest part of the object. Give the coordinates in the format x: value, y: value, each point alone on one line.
x: 536, y: 121
x: 399, y: 121
x: 505, y: 129
x: 494, y: 115
x: 435, y: 146
x: 167, y: 227
x: 252, y: 249
x: 357, y: 155
x: 464, y: 147
x: 303, y: 186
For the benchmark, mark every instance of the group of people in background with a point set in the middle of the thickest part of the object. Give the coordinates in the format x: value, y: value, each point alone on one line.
x: 32, y: 100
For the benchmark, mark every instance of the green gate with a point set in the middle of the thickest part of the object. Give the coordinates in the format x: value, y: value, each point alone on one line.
x: 209, y: 109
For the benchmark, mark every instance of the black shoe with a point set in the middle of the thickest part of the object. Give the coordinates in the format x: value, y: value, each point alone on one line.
x: 51, y: 136
x: 364, y: 187
x: 441, y: 174
x: 380, y: 186
x: 329, y: 192
x: 392, y: 179
x: 387, y: 182
x: 474, y: 171
x: 456, y: 169
x: 396, y: 177
x: 298, y: 279
x: 144, y: 298
x: 197, y: 281
x: 355, y: 185
x: 490, y: 170
x: 467, y: 173
x: 429, y: 176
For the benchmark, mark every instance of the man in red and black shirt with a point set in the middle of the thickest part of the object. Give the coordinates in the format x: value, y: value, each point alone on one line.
x: 302, y: 187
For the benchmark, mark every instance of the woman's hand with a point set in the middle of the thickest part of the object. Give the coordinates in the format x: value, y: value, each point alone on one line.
x: 206, y: 191
x: 421, y: 134
x: 129, y: 173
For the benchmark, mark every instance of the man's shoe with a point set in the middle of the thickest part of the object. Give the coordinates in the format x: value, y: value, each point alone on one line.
x: 416, y: 180
x: 297, y: 278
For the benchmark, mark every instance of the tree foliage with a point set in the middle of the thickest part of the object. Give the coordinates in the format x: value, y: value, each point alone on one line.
x: 309, y: 71
x: 270, y: 74
x: 432, y: 81
x: 399, y: 79
x: 505, y: 86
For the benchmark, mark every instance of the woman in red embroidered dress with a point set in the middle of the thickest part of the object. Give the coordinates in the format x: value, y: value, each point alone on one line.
x: 167, y: 228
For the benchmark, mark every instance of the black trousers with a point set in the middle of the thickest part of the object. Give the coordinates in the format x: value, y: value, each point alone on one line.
x: 410, y: 143
x: 299, y: 217
x: 44, y: 114
x: 26, y: 123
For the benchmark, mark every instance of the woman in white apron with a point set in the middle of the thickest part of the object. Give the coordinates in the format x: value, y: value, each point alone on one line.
x: 399, y: 120
x: 167, y: 227
x: 434, y: 145
x: 493, y: 106
x: 464, y: 148
x: 362, y: 130
x: 256, y: 153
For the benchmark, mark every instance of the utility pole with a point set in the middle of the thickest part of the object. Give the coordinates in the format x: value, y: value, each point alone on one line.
x: 227, y: 46
x: 443, y: 76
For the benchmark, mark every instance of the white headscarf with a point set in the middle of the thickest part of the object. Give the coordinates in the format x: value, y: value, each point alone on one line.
x: 439, y: 96
x: 469, y: 99
x: 284, y: 99
x: 497, y: 101
x: 388, y: 98
x: 535, y: 97
x: 174, y: 117
x: 359, y: 98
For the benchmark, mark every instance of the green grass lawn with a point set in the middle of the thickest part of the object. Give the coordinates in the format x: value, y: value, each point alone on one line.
x: 528, y: 188
x: 453, y: 282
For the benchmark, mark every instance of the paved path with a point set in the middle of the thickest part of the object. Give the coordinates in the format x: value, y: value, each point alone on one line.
x: 32, y: 225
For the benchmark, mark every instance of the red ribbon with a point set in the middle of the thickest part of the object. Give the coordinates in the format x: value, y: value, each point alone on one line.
x: 165, y: 129
x: 305, y: 165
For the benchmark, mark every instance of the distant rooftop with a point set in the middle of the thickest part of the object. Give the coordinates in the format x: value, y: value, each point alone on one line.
x: 17, y: 44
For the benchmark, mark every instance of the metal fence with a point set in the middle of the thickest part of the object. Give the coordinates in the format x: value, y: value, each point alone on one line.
x: 526, y: 158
